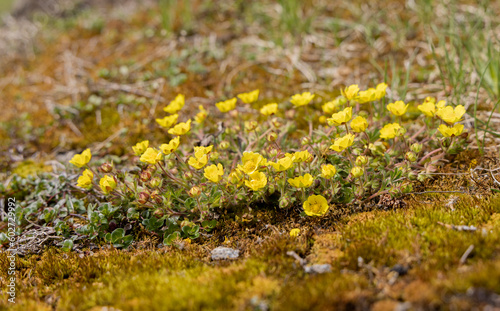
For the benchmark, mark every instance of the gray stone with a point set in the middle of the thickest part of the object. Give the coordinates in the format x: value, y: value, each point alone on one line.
x: 221, y: 253
x: 318, y: 269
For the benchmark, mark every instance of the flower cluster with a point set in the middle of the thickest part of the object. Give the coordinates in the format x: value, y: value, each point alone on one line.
x: 299, y: 152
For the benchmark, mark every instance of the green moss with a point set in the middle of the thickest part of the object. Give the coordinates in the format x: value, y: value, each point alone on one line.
x: 174, y: 279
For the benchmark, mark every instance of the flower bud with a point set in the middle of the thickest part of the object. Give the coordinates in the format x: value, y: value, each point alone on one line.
x: 272, y: 153
x: 145, y: 176
x: 271, y: 188
x: 357, y: 171
x: 272, y: 137
x: 361, y: 161
x: 151, y: 169
x: 188, y: 175
x: 224, y: 145
x: 411, y: 156
x: 174, y: 171
x: 250, y: 125
x: 235, y: 177
x: 416, y: 147
x: 341, y: 100
x: 158, y: 213
x: 158, y: 199
x: 106, y: 168
x: 421, y: 177
x: 276, y: 123
x: 233, y: 114
x: 155, y: 182
x: 195, y: 192
x: 143, y: 197
x: 171, y: 164
x: 430, y: 99
x: 214, y: 155
x: 285, y: 202
x: 305, y: 141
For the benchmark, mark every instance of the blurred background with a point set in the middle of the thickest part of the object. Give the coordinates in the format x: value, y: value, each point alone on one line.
x: 89, y: 73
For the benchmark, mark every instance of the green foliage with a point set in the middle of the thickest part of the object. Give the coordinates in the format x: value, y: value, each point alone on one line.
x: 118, y: 238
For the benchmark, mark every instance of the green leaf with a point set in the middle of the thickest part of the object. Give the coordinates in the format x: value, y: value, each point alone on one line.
x: 127, y: 240
x: 117, y: 234
x: 169, y: 239
x: 3, y: 238
x: 107, y: 237
x: 209, y: 225
x: 67, y: 245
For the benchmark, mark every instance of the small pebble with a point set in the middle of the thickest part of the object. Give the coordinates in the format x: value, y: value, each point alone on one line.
x: 221, y: 253
x: 318, y: 269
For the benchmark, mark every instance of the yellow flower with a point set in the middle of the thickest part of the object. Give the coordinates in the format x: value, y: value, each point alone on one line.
x: 342, y: 143
x: 172, y: 145
x: 168, y: 121
x: 315, y: 205
x: 440, y: 104
x: 329, y: 107
x: 366, y: 96
x: 380, y: 91
x: 107, y: 184
x: 201, y: 115
x: 139, y: 148
x: 428, y: 108
x: 257, y: 181
x: 451, y: 131
x: 294, y: 233
x: 249, y: 97
x: 214, y: 173
x: 391, y: 130
x: 300, y: 156
x: 251, y: 162
x: 302, y: 99
x: 341, y: 117
x: 328, y: 171
x: 82, y: 158
x: 450, y: 115
x: 269, y: 109
x: 175, y: 105
x: 301, y: 181
x: 357, y: 171
x: 359, y: 124
x: 351, y: 92
x: 398, y: 108
x: 227, y: 105
x: 430, y: 99
x: 201, y: 151
x: 151, y: 156
x: 181, y: 128
x: 85, y: 181
x: 198, y: 163
x: 282, y: 164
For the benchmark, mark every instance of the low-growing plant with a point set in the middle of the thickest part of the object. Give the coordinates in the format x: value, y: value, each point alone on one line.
x: 307, y: 152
